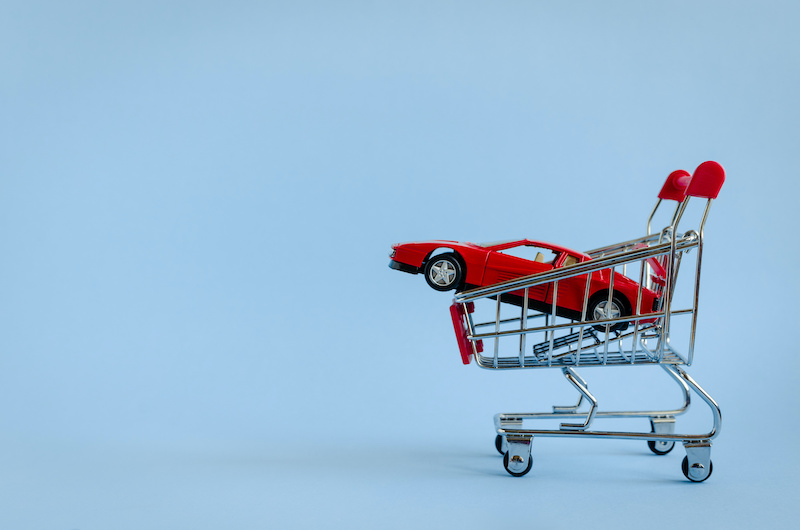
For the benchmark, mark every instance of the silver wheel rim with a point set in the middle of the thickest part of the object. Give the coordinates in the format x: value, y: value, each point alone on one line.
x: 664, y: 446
x: 443, y: 273
x: 601, y: 311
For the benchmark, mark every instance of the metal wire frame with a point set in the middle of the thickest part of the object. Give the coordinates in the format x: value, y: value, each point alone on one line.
x: 647, y: 325
x: 566, y: 348
x: 506, y: 422
x: 668, y: 247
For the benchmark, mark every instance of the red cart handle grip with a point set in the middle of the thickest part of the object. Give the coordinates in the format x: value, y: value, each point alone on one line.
x: 674, y: 187
x: 706, y: 181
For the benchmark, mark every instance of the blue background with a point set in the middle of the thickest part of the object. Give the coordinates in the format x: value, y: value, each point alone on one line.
x: 197, y: 200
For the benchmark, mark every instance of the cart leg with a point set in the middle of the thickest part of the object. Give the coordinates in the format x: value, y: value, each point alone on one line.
x: 558, y: 409
x: 574, y: 408
x: 518, y: 460
x: 697, y: 464
x: 579, y: 384
x: 662, y: 425
x: 687, y: 400
x: 502, y: 422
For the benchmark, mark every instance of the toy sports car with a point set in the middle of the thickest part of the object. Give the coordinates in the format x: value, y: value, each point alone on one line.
x: 469, y: 265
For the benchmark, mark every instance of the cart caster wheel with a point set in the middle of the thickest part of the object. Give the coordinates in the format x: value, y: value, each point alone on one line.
x: 498, y: 443
x: 660, y: 448
x: 513, y: 470
x: 698, y: 473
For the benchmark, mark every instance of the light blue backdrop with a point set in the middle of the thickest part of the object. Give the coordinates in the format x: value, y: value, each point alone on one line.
x: 197, y: 200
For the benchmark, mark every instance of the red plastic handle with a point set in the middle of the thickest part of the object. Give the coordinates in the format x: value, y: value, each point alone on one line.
x: 706, y: 181
x: 674, y: 187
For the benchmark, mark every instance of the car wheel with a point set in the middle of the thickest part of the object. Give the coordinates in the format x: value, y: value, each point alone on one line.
x: 444, y: 272
x: 599, y: 309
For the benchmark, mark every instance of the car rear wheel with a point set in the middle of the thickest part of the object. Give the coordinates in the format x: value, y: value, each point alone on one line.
x: 444, y: 272
x: 600, y: 309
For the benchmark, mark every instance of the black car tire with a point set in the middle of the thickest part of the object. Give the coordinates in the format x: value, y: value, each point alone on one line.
x: 444, y: 272
x: 599, y: 300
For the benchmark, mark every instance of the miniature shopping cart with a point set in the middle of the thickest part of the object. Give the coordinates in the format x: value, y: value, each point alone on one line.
x: 496, y: 327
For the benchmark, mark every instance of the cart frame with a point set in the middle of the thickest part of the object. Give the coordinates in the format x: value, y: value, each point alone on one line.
x: 602, y: 339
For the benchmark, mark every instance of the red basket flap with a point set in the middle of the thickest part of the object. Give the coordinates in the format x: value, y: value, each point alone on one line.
x: 674, y: 188
x: 706, y: 181
x: 464, y: 346
x: 658, y: 269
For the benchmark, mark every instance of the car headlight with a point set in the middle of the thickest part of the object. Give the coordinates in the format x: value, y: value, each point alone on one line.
x: 392, y: 253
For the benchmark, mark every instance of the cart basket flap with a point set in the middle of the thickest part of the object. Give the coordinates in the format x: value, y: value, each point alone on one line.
x: 459, y: 326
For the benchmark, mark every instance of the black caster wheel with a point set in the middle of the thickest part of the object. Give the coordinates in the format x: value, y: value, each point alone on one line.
x: 698, y: 477
x: 498, y: 443
x: 660, y: 448
x: 517, y: 473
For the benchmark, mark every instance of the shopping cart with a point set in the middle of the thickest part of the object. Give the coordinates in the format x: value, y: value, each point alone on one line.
x: 498, y: 319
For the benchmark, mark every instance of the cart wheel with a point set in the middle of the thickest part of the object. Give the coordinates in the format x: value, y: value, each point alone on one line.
x: 444, y: 272
x: 598, y: 310
x: 517, y: 473
x: 660, y: 448
x: 699, y: 475
x: 498, y: 443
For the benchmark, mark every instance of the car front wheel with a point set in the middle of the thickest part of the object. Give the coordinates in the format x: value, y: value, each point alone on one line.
x: 444, y: 272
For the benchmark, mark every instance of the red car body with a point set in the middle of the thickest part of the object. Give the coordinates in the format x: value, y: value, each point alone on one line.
x: 479, y: 265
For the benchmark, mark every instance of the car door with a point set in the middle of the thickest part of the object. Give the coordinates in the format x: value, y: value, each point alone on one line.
x: 507, y: 264
x: 570, y: 290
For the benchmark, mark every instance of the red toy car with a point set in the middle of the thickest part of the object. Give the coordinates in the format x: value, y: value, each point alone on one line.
x: 469, y: 265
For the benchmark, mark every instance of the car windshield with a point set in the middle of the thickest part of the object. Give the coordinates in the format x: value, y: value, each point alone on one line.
x: 495, y: 243
x: 570, y: 260
x: 532, y: 253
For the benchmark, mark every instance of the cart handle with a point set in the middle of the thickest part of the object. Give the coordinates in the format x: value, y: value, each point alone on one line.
x: 707, y: 180
x: 674, y: 188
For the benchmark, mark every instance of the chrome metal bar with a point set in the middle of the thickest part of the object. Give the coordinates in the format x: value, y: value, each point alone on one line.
x: 585, y: 308
x: 675, y: 216
x: 687, y: 399
x: 560, y: 410
x: 715, y: 411
x: 652, y: 214
x: 523, y: 325
x: 696, y: 295
x: 638, y: 304
x: 627, y: 318
x: 581, y: 386
x: 679, y: 214
x: 470, y: 323
x: 546, y: 338
x: 619, y: 435
x: 705, y: 216
x: 609, y: 301
x: 619, y: 247
x: 676, y: 372
x: 564, y: 412
x: 670, y: 277
x: 509, y: 320
x: 497, y: 333
x: 552, y: 333
x: 570, y: 271
x: 582, y: 359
